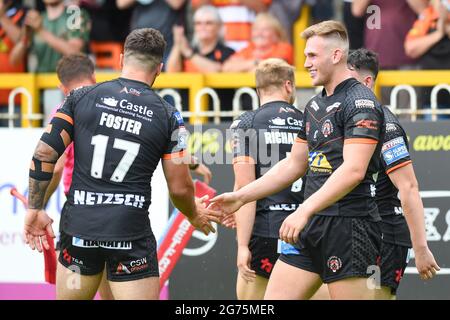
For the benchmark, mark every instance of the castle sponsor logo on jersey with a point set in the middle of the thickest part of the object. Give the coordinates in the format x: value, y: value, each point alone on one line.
x: 120, y: 123
x: 142, y: 110
x: 364, y: 103
x: 327, y: 128
x: 394, y: 150
x: 283, y: 207
x: 90, y: 244
x: 318, y: 162
x: 279, y: 137
x: 109, y: 101
x: 334, y: 263
x: 333, y: 106
x: 314, y: 105
x: 289, y: 122
x: 86, y: 198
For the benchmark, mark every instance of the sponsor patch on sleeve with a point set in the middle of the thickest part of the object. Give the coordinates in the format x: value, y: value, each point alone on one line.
x: 394, y: 150
x: 364, y: 103
x: 179, y: 118
x: 287, y: 248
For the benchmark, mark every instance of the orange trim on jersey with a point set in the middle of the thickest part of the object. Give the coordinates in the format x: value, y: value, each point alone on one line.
x: 64, y: 117
x: 245, y: 159
x: 360, y: 140
x: 300, y: 140
x: 174, y: 155
x: 398, y: 166
x: 238, y: 31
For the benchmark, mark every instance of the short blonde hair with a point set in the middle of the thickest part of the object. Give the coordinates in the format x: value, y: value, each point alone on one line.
x: 329, y: 29
x: 274, y: 22
x: 272, y: 73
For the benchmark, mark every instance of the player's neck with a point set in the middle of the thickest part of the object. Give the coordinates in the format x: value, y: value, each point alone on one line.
x: 138, y: 75
x: 340, y: 74
x: 271, y: 98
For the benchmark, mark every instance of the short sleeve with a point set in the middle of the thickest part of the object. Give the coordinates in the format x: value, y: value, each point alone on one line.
x: 243, y: 138
x: 177, y: 144
x: 301, y: 135
x: 395, y: 149
x: 363, y: 117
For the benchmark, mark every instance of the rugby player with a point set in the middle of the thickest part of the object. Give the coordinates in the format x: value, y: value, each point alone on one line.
x: 120, y: 130
x: 261, y: 138
x: 397, y: 210
x: 337, y: 143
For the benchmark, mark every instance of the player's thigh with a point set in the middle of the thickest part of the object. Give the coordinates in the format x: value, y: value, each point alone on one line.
x: 322, y: 293
x: 251, y: 290
x: 132, y: 272
x: 354, y: 288
x: 288, y: 282
x: 71, y: 285
x: 104, y: 289
x: 141, y: 289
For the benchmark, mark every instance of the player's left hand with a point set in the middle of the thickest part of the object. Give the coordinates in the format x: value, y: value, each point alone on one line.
x: 214, y: 215
x: 37, y: 225
x: 425, y: 263
x: 292, y: 226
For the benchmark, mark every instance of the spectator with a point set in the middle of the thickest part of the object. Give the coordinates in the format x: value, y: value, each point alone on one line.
x: 429, y: 41
x: 354, y: 25
x: 162, y: 15
x: 268, y: 41
x: 238, y: 16
x: 287, y: 12
x: 208, y: 51
x: 59, y: 31
x: 12, y: 14
x: 386, y: 36
x: 110, y: 23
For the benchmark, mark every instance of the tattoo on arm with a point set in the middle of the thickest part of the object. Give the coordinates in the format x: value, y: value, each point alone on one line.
x: 37, y: 188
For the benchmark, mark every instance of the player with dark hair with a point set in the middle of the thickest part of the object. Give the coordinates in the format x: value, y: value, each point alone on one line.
x: 120, y: 130
x: 397, y: 193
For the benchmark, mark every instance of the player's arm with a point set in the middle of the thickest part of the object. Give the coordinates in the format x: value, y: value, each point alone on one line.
x: 244, y: 174
x: 405, y: 181
x: 359, y: 7
x: 279, y: 177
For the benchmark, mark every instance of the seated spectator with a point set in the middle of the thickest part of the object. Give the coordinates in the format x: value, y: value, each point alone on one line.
x: 161, y: 15
x: 238, y: 17
x: 429, y: 41
x: 57, y: 32
x: 208, y: 51
x: 268, y: 41
x: 12, y: 14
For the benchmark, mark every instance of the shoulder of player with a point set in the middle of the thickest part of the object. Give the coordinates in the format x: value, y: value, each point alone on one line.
x: 360, y: 97
x: 244, y: 121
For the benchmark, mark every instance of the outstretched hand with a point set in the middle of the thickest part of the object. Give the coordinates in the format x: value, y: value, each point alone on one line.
x: 37, y: 225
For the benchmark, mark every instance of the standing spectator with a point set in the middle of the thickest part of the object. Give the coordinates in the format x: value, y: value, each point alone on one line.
x: 161, y: 15
x: 268, y: 41
x: 238, y: 16
x: 12, y: 15
x: 386, y: 36
x: 110, y: 23
x: 354, y: 25
x: 287, y: 12
x: 59, y: 31
x: 429, y: 41
x: 208, y: 51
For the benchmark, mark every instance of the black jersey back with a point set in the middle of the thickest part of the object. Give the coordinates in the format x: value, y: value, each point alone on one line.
x: 121, y: 129
x: 266, y: 136
x: 350, y: 115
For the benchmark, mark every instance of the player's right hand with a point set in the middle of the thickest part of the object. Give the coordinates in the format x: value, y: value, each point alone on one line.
x: 37, y: 225
x: 244, y: 257
x: 227, y: 203
x: 425, y: 263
